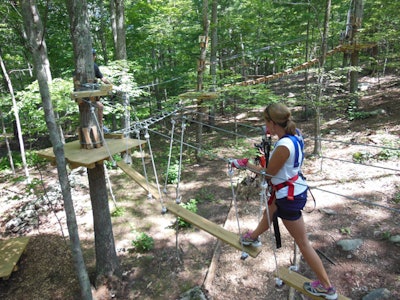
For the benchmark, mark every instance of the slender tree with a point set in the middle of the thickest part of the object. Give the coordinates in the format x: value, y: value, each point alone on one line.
x: 118, y: 28
x: 322, y: 59
x: 37, y: 46
x: 16, y: 115
x: 355, y: 20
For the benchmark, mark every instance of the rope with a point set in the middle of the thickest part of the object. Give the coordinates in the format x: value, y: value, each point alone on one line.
x: 178, y: 196
x: 147, y: 137
x: 108, y: 151
x: 149, y: 195
x: 264, y: 199
x: 230, y: 173
x: 171, y: 140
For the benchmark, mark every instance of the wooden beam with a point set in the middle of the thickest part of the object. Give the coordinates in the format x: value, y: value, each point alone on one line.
x: 190, y: 217
x: 296, y: 281
x: 212, y: 228
x: 10, y: 253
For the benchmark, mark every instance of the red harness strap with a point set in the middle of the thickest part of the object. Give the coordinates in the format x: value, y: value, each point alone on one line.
x: 290, y: 186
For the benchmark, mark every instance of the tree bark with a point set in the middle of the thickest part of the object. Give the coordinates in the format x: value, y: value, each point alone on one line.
x: 356, y: 20
x: 118, y: 28
x: 37, y: 47
x: 322, y: 59
x: 106, y: 262
x: 106, y: 259
x: 16, y: 115
x: 200, y: 74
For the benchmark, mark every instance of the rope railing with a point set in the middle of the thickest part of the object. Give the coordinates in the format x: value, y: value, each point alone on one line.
x: 226, y: 160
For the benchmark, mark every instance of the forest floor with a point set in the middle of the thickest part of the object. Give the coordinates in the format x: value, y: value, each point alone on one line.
x: 353, y: 201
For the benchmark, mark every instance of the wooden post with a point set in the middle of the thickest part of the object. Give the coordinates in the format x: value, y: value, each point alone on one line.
x: 90, y: 114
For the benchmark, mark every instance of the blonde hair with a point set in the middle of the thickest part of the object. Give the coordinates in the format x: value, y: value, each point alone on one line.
x: 280, y: 114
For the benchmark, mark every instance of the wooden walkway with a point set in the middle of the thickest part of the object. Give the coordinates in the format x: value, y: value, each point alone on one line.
x: 308, y: 64
x: 10, y: 253
x: 296, y: 281
x: 202, y: 223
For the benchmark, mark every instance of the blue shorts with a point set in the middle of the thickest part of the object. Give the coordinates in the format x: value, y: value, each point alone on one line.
x: 291, y: 209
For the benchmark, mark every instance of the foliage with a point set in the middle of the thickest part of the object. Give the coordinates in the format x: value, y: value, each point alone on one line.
x: 118, y: 212
x: 362, y: 156
x: 387, y: 154
x: 397, y: 198
x: 35, y: 187
x: 32, y: 159
x: 31, y: 111
x: 143, y: 242
x: 163, y: 49
x: 173, y: 173
x: 345, y: 231
x: 191, y: 205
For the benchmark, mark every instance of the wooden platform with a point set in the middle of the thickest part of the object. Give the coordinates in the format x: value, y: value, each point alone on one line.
x: 296, y: 281
x: 77, y: 157
x: 10, y: 253
x: 6, y: 135
x: 190, y: 217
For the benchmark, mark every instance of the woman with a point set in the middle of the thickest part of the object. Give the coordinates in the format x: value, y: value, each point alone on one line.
x: 289, y: 194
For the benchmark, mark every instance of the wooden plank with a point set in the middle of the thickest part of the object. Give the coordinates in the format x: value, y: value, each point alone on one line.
x: 198, y: 221
x: 296, y: 281
x: 212, y: 228
x: 10, y: 253
x: 76, y: 156
x: 6, y: 135
x: 105, y: 89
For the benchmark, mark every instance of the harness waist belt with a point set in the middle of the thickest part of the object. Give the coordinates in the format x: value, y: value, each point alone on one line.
x: 289, y: 184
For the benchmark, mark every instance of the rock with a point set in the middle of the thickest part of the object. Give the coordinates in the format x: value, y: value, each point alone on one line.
x: 350, y: 245
x: 194, y: 294
x: 328, y: 211
x: 378, y: 294
x: 13, y: 223
x: 395, y: 239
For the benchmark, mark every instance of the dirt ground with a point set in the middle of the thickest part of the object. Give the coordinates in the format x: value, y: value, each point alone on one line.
x: 360, y: 198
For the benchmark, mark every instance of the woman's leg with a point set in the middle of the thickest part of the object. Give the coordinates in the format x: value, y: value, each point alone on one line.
x: 298, y: 232
x: 263, y: 225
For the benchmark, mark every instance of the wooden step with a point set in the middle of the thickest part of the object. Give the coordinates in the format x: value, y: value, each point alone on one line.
x: 190, y: 217
x: 10, y: 253
x: 295, y: 280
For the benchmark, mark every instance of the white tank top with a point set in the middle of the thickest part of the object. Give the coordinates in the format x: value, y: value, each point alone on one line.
x: 288, y: 170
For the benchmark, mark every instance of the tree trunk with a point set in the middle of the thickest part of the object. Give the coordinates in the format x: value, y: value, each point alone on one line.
x: 106, y: 259
x: 37, y: 46
x: 200, y: 74
x: 355, y: 20
x: 16, y: 115
x: 106, y: 262
x: 118, y: 28
x: 213, y: 58
x: 214, y: 44
x: 317, y: 124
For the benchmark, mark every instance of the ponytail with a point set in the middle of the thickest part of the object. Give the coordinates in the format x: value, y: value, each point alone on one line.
x: 280, y: 114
